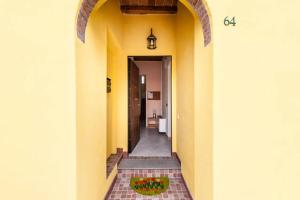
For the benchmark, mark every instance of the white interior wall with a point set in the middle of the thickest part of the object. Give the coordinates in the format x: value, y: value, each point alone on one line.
x: 169, y: 120
x: 152, y: 70
x: 167, y: 92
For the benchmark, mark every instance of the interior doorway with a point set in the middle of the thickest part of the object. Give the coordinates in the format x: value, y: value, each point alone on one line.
x: 150, y: 106
x: 143, y: 95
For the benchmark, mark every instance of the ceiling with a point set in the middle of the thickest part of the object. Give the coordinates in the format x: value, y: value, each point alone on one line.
x: 149, y: 6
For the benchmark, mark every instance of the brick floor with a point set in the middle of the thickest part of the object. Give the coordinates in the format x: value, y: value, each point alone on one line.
x: 122, y: 191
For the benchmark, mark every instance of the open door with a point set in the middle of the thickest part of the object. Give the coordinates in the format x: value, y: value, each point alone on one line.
x: 133, y: 105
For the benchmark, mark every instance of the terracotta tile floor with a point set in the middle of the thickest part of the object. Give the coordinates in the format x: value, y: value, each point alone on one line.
x: 122, y: 191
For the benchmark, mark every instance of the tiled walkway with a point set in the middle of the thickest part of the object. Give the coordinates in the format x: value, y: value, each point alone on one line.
x: 122, y: 191
x: 152, y: 144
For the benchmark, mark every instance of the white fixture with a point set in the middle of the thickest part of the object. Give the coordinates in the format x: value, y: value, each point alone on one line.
x: 162, y: 125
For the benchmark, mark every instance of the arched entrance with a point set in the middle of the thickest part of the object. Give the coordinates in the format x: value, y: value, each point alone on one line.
x: 87, y: 7
x: 99, y: 47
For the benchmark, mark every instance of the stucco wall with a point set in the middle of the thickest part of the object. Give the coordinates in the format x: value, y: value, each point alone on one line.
x: 255, y: 102
x: 37, y: 106
x: 185, y: 93
x: 91, y: 73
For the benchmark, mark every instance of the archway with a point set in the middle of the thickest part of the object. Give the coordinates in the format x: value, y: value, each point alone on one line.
x: 195, y: 63
x: 87, y: 7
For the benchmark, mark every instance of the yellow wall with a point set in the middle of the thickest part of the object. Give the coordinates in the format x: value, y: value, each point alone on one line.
x: 37, y: 100
x: 109, y: 99
x: 256, y: 100
x: 203, y: 74
x: 185, y: 93
x: 91, y: 102
x: 194, y: 103
x: 114, y: 121
x: 137, y: 29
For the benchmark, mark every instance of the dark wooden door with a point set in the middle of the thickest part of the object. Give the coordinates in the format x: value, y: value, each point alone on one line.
x: 133, y: 106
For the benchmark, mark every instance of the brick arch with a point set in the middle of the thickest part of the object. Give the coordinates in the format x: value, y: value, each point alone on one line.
x: 87, y: 7
x: 202, y: 13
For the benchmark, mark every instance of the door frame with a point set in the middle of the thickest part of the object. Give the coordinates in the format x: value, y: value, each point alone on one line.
x: 152, y: 58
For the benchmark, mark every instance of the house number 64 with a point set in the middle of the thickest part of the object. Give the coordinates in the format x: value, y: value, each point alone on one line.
x: 229, y: 22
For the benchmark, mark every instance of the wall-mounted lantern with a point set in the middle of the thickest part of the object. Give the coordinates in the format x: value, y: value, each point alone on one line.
x: 151, y: 41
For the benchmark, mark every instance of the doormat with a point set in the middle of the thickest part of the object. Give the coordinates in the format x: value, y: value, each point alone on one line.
x: 149, y: 185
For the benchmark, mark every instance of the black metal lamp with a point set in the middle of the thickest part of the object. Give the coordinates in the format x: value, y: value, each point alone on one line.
x: 151, y: 41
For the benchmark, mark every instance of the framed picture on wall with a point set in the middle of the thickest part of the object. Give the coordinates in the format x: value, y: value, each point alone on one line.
x: 153, y: 95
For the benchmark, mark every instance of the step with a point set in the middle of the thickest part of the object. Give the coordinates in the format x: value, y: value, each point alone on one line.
x: 128, y: 173
x: 150, y: 163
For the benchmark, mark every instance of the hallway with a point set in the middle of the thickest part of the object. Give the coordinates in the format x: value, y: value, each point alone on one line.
x: 152, y: 144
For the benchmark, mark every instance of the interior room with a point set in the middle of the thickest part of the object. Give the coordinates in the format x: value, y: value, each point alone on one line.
x: 154, y: 106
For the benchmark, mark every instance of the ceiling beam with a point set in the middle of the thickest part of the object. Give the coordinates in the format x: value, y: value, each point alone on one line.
x: 148, y: 9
